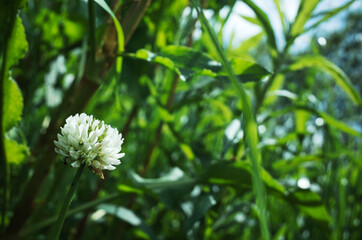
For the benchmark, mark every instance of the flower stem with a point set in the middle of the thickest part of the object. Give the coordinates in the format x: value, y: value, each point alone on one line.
x: 63, y: 212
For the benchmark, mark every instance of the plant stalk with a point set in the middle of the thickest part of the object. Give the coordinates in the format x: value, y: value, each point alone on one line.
x: 250, y: 129
x: 4, y: 176
x: 63, y: 212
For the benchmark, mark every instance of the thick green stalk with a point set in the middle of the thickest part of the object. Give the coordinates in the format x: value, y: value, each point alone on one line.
x: 251, y: 131
x: 63, y: 212
x: 4, y: 178
x: 3, y: 164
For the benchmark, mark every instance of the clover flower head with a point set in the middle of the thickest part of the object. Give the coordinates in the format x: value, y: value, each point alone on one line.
x: 84, y: 139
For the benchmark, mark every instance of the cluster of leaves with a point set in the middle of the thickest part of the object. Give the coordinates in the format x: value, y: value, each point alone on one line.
x: 195, y: 166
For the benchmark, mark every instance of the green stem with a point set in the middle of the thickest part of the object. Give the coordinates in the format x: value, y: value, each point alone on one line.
x: 251, y: 130
x: 63, y: 212
x: 3, y: 161
x: 4, y: 178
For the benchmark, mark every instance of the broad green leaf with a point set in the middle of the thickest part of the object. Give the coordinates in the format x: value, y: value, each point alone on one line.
x: 171, y: 188
x: 120, y: 35
x: 310, y: 203
x: 339, y: 76
x: 13, y: 100
x: 184, y: 73
x: 318, y: 213
x: 305, y: 10
x: 15, y: 153
x: 122, y: 213
x: 13, y: 104
x: 263, y: 18
x: 17, y: 44
x: 248, y: 71
x: 188, y: 58
x: 127, y: 216
x: 187, y: 62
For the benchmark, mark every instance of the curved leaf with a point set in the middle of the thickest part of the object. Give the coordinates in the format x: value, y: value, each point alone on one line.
x: 15, y: 153
x: 120, y: 35
x: 239, y: 176
x: 13, y: 104
x: 188, y: 62
x: 263, y: 18
x: 322, y: 63
x: 305, y: 10
x: 17, y: 44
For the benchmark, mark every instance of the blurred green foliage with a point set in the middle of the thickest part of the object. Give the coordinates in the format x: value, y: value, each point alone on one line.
x: 187, y: 173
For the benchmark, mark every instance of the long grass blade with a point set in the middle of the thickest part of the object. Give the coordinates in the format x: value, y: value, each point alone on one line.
x: 250, y: 128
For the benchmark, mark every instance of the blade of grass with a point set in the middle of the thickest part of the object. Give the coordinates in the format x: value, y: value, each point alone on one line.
x: 329, y: 14
x: 265, y: 23
x: 250, y: 128
x: 120, y: 35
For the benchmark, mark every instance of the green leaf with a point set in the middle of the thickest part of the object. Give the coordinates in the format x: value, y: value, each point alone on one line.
x: 122, y: 213
x: 251, y: 128
x: 294, y: 163
x: 171, y: 188
x: 246, y: 46
x: 264, y: 20
x: 332, y: 121
x: 17, y: 44
x: 253, y: 20
x: 127, y: 216
x: 319, y: 62
x: 248, y: 71
x: 239, y: 176
x: 274, y: 90
x: 13, y: 104
x: 201, y: 205
x: 120, y: 35
x: 13, y: 100
x: 281, y: 16
x: 15, y: 153
x: 327, y: 15
x: 129, y: 189
x: 305, y: 10
x: 301, y: 118
x: 187, y: 62
x: 310, y: 203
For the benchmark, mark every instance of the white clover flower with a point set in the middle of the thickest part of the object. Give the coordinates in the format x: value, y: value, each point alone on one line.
x: 84, y: 139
